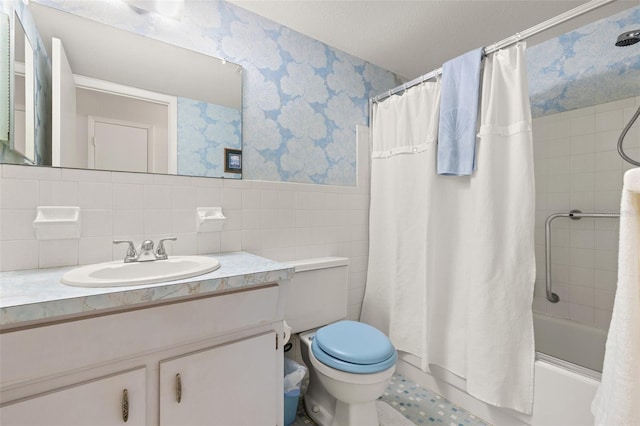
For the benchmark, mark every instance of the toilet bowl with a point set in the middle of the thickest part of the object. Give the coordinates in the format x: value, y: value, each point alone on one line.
x: 350, y: 363
x: 337, y: 397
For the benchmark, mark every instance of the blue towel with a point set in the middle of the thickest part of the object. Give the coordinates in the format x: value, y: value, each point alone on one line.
x: 459, y: 114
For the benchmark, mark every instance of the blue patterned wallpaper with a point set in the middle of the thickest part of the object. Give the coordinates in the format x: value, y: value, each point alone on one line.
x: 584, y: 67
x: 204, y: 131
x: 301, y: 99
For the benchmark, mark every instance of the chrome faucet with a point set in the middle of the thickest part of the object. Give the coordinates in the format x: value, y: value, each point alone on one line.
x: 146, y: 252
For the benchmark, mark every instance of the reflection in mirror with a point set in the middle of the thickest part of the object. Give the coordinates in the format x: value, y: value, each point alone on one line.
x: 119, y: 119
x: 23, y: 140
x: 5, y: 92
x: 184, y: 107
x: 29, y: 90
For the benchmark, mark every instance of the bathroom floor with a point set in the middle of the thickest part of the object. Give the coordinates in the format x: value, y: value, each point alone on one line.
x: 418, y: 404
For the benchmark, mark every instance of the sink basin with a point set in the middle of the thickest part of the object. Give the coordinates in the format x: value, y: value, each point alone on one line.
x: 118, y: 273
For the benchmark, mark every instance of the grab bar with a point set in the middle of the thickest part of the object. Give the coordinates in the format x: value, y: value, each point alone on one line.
x: 574, y: 215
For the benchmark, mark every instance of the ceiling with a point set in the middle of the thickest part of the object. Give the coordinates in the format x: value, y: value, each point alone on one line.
x: 413, y: 37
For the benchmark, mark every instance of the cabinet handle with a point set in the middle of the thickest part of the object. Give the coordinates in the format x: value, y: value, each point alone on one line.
x: 178, y: 388
x: 125, y: 405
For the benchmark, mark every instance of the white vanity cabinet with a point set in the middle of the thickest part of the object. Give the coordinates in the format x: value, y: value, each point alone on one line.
x: 232, y: 384
x: 223, y: 346
x: 104, y: 401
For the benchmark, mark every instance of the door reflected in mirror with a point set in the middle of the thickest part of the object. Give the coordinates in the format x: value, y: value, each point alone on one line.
x: 5, y: 84
x: 22, y: 127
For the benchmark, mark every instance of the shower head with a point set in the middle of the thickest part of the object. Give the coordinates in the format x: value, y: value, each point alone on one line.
x: 628, y: 38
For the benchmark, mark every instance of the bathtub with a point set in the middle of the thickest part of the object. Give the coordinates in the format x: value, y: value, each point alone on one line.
x: 570, y: 341
x: 563, y: 389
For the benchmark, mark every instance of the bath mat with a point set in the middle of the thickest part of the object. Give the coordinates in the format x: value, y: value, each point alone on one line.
x: 389, y: 416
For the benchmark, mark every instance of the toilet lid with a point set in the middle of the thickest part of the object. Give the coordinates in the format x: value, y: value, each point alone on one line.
x: 354, y: 347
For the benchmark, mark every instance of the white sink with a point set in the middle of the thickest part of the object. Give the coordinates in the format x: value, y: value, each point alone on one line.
x: 118, y: 273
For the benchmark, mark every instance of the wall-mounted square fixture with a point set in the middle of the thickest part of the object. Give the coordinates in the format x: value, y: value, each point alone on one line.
x: 232, y: 160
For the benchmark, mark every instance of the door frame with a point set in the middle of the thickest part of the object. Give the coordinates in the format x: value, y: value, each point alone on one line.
x: 171, y: 102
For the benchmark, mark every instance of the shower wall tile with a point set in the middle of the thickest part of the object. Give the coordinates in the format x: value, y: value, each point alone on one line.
x: 603, y: 299
x: 609, y: 120
x: 581, y: 313
x: 560, y: 309
x: 584, y: 124
x: 607, y: 200
x: 581, y: 295
x: 583, y: 144
x: 581, y: 277
x: 539, y: 303
x: 632, y: 153
x: 602, y: 318
x: 577, y: 166
x: 585, y: 199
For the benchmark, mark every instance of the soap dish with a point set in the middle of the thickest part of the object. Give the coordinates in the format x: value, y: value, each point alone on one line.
x: 57, y: 222
x: 209, y: 219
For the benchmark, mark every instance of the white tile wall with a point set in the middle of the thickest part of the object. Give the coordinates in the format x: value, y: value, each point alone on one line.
x: 281, y: 221
x: 577, y: 167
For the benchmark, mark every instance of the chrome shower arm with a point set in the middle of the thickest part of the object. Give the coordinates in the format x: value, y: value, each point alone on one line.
x: 621, y: 139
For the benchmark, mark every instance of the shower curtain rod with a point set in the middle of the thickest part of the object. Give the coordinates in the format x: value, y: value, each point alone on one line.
x: 550, y: 23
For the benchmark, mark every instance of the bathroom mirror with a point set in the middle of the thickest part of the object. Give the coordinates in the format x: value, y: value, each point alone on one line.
x: 123, y: 101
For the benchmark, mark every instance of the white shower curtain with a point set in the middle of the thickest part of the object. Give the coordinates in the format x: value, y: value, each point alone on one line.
x: 451, y: 259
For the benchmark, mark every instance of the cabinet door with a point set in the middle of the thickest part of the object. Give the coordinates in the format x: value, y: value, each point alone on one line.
x: 97, y: 402
x: 232, y: 384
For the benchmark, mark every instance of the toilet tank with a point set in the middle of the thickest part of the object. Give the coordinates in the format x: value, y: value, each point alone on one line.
x: 317, y: 293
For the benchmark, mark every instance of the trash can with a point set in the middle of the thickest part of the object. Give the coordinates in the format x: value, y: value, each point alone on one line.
x: 293, y: 375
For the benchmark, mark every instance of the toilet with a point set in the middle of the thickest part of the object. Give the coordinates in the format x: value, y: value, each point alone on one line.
x: 350, y: 363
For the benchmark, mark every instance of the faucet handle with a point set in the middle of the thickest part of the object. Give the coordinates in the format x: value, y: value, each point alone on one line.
x: 131, y: 250
x: 161, y: 253
x: 147, y: 245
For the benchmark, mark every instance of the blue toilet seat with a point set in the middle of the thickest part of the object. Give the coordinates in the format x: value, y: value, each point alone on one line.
x: 353, y: 347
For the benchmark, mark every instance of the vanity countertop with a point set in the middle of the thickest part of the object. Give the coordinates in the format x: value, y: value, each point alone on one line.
x: 37, y: 296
